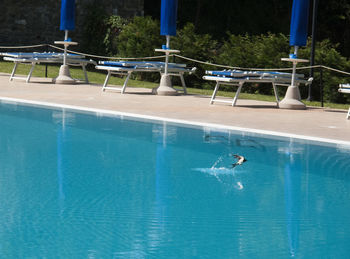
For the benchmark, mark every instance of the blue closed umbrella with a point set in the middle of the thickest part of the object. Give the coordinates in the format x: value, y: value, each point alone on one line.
x: 168, y: 17
x: 299, y: 24
x: 67, y: 15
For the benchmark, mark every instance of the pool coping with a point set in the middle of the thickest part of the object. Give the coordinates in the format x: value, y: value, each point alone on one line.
x: 344, y: 144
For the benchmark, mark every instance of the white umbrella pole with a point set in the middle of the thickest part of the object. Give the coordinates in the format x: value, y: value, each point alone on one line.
x: 167, y: 54
x: 294, y: 66
x: 65, y: 48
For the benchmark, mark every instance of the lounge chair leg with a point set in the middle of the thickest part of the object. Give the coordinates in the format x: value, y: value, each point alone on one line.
x: 30, y: 72
x: 214, y: 93
x: 106, y: 80
x: 183, y: 82
x: 237, y: 93
x: 85, y: 73
x: 13, y: 71
x: 125, y: 82
x: 276, y: 94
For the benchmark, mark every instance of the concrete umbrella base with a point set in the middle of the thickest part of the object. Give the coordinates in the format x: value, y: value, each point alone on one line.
x: 64, y: 76
x: 165, y: 86
x: 292, y: 99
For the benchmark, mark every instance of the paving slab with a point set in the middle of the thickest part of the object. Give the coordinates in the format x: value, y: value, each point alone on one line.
x: 324, y: 123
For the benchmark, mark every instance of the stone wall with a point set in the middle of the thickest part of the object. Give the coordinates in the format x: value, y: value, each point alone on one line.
x: 26, y: 22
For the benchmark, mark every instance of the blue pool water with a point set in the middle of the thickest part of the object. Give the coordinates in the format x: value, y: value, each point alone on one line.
x: 76, y: 185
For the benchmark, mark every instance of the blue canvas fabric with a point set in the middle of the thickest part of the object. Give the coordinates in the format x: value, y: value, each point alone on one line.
x: 67, y: 15
x: 168, y: 17
x: 299, y: 23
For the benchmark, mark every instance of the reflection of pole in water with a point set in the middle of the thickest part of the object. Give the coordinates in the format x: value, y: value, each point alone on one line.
x: 60, y: 154
x: 162, y: 165
x: 59, y: 164
x: 162, y: 182
x: 292, y: 183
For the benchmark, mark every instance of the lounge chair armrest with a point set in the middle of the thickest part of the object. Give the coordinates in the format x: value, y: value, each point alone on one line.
x: 192, y: 70
x: 344, y: 88
x: 309, y: 81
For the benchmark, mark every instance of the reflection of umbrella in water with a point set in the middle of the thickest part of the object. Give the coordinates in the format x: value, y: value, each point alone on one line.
x: 162, y: 182
x: 292, y: 200
x: 298, y: 37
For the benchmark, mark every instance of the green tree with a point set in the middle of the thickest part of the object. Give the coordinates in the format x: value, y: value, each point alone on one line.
x: 195, y: 46
x: 115, y: 25
x: 139, y: 38
x: 94, y: 29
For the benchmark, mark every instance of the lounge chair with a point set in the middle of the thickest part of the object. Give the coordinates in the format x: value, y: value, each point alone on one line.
x: 345, y: 89
x: 35, y: 58
x: 239, y: 77
x: 126, y: 68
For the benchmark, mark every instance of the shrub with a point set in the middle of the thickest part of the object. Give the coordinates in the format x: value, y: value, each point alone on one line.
x: 115, y: 25
x: 237, y: 51
x: 139, y: 38
x: 266, y: 51
x: 94, y: 29
x: 326, y: 54
x: 259, y: 51
x: 196, y: 46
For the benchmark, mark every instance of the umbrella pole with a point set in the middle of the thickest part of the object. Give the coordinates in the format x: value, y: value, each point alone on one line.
x: 294, y: 66
x: 65, y: 48
x: 167, y: 54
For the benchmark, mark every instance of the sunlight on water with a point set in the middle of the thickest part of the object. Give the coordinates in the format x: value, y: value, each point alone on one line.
x: 74, y: 185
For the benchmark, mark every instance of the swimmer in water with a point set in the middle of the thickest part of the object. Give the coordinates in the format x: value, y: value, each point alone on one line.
x: 240, y: 160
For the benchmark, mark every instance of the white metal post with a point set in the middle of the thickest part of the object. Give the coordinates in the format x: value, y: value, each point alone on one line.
x: 294, y: 66
x: 167, y: 54
x: 65, y: 48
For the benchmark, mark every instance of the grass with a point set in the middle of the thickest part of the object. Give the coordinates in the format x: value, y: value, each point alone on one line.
x: 98, y: 77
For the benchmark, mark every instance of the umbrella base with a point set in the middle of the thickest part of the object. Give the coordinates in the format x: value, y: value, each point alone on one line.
x: 292, y: 99
x: 64, y: 76
x: 165, y: 86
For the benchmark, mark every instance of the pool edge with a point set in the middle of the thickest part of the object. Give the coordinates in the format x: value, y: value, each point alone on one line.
x: 176, y: 121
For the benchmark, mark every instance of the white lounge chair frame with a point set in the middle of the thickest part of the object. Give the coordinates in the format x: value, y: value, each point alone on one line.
x: 240, y: 81
x: 127, y: 71
x: 345, y: 89
x: 28, y: 60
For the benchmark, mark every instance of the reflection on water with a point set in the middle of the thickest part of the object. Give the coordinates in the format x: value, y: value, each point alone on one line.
x: 76, y: 185
x: 292, y: 182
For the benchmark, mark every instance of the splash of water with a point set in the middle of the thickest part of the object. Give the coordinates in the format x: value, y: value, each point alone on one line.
x: 216, y: 162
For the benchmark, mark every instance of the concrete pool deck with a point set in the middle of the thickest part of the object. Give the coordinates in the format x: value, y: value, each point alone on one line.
x: 322, y: 123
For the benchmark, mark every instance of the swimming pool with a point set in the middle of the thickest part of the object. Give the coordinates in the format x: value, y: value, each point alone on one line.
x: 85, y: 185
